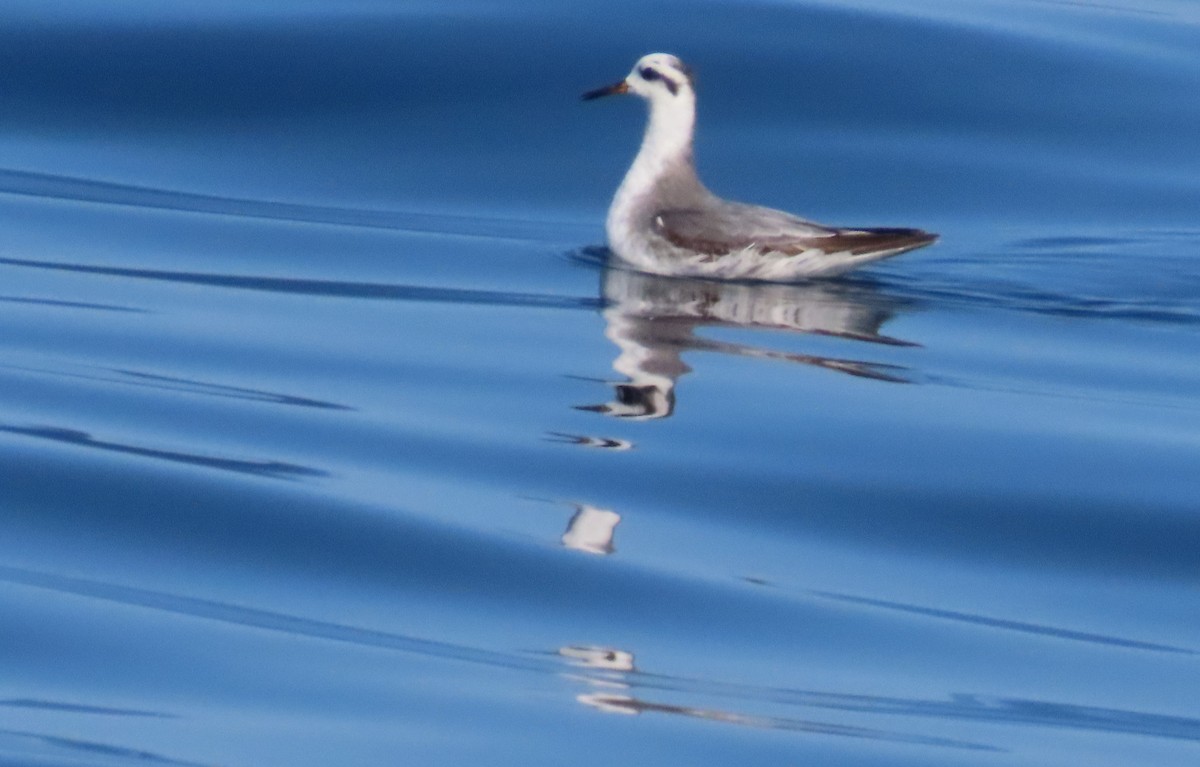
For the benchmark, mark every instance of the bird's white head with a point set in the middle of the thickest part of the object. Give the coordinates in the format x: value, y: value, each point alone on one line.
x: 660, y: 78
x: 663, y: 168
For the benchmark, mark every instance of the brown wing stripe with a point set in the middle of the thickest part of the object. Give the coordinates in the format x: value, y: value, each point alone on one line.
x: 857, y: 242
x: 852, y: 241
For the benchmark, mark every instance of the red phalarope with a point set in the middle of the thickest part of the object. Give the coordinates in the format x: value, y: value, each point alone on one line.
x: 664, y: 221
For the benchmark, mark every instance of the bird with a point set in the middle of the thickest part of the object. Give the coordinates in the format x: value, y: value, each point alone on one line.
x: 663, y: 220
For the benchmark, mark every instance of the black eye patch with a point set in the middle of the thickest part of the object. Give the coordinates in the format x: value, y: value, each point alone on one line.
x: 650, y: 75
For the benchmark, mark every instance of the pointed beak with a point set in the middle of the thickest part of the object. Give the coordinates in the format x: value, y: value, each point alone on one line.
x: 608, y: 90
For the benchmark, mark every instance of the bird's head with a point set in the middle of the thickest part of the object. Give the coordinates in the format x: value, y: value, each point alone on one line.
x: 657, y: 77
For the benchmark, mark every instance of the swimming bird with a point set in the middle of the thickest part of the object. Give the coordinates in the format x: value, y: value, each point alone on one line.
x: 663, y: 220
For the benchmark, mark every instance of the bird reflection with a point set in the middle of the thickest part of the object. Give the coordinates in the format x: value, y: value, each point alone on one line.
x: 605, y: 671
x: 584, y: 440
x: 615, y: 685
x: 591, y: 530
x: 653, y: 321
x: 592, y: 657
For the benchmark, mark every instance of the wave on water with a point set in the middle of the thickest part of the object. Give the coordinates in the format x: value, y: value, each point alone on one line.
x: 54, y: 187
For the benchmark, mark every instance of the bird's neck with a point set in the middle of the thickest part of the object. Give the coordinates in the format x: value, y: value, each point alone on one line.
x: 669, y: 130
x: 666, y: 153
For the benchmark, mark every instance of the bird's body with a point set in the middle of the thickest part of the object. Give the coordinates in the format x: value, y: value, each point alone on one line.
x: 663, y: 220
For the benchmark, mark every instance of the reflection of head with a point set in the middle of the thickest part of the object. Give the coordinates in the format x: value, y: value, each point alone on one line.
x: 652, y: 320
x: 639, y: 401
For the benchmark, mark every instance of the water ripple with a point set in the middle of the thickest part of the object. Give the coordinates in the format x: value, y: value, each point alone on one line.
x: 330, y: 288
x: 958, y: 706
x: 78, y: 708
x: 271, y: 469
x: 147, y: 380
x: 60, y: 304
x: 538, y: 662
x: 95, y: 750
x: 49, y: 186
x: 272, y: 621
x: 1009, y: 625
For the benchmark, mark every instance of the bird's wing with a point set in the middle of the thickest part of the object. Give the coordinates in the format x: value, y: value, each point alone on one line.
x: 730, y: 227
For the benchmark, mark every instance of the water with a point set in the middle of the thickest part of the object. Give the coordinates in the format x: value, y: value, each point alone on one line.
x: 327, y: 435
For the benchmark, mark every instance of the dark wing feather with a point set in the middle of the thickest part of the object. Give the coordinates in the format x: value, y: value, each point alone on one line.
x: 860, y: 242
x: 730, y: 227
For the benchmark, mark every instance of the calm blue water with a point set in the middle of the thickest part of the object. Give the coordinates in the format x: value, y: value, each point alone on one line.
x: 327, y: 437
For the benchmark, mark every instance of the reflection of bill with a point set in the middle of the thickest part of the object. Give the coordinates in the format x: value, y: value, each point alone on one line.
x: 653, y: 320
x: 591, y: 530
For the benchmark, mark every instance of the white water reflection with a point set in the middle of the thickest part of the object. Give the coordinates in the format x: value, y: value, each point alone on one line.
x: 653, y: 320
x: 591, y: 530
x: 615, y: 685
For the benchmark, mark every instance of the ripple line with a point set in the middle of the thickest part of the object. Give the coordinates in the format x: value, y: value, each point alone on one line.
x: 180, y: 384
x: 330, y: 288
x: 262, y: 619
x: 1002, y: 623
x: 55, y: 187
x: 272, y: 469
x: 94, y: 749
x: 79, y: 708
x: 70, y: 304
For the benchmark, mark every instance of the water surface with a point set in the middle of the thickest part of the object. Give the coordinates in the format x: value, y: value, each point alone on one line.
x: 329, y: 434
